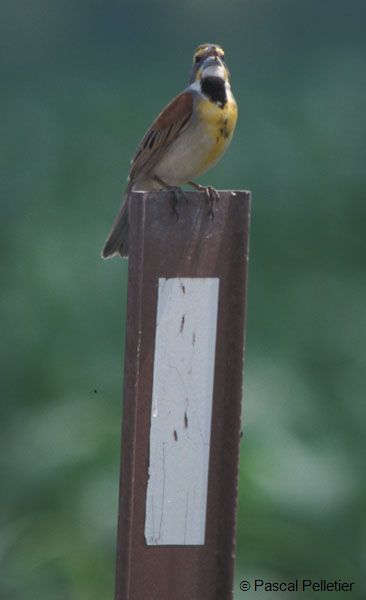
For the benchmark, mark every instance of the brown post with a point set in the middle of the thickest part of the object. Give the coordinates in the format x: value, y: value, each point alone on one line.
x: 195, y: 559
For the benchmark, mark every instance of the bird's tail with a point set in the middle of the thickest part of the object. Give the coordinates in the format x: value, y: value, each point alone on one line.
x: 117, y: 241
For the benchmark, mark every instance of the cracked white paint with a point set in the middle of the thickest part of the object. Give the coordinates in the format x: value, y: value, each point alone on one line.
x: 181, y: 411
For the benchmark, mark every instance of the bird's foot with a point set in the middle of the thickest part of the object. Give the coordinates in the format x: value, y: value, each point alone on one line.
x: 177, y: 195
x: 211, y: 194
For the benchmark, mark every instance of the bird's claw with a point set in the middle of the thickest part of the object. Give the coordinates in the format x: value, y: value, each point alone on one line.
x: 177, y: 194
x: 212, y: 196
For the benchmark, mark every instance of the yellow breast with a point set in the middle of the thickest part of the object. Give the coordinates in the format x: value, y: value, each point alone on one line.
x: 219, y: 124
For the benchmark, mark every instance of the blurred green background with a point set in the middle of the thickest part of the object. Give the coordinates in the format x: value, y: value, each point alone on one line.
x: 81, y: 81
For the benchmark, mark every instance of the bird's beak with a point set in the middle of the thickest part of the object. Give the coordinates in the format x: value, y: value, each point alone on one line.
x: 214, y: 66
x: 212, y: 61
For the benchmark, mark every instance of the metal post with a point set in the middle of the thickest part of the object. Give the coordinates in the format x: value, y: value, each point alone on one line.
x: 182, y: 397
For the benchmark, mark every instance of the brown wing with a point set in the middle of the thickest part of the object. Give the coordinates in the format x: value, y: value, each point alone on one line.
x: 166, y: 128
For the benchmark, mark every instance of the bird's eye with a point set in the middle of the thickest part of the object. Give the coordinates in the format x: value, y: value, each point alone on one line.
x: 197, y: 59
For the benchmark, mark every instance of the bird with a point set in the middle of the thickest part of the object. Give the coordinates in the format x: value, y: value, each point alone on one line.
x: 187, y: 138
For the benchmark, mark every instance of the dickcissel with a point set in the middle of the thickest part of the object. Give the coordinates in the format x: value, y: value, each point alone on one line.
x: 187, y: 138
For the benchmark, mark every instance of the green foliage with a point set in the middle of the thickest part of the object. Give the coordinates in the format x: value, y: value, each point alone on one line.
x: 82, y: 81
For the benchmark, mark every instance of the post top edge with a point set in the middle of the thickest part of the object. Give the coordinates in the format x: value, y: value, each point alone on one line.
x: 142, y: 193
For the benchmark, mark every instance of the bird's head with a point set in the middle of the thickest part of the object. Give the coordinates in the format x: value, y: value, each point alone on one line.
x: 208, y: 61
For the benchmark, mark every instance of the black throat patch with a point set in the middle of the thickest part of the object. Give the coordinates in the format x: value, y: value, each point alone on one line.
x: 214, y: 88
